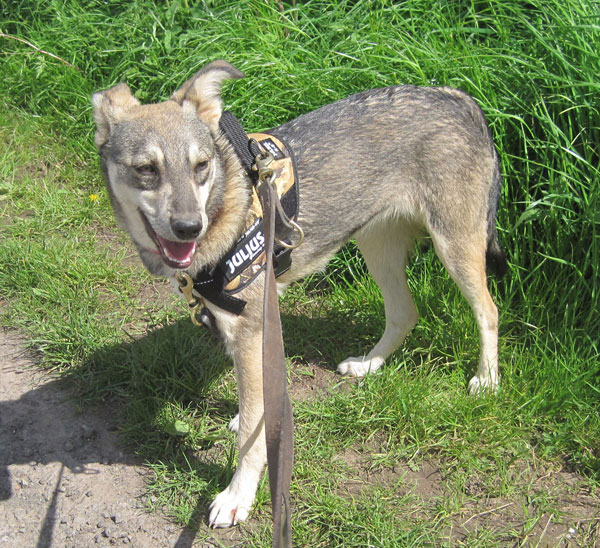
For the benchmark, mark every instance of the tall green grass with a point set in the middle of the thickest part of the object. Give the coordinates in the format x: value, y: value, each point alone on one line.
x: 532, y: 66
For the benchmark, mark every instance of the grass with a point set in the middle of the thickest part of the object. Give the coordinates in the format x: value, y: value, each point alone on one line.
x: 69, y: 278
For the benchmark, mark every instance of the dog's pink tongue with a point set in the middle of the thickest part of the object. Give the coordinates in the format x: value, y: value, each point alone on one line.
x: 180, y: 251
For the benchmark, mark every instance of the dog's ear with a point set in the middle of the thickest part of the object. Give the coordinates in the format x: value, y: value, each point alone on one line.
x: 203, y: 90
x: 110, y: 106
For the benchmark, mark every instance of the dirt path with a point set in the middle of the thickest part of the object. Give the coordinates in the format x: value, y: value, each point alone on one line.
x: 64, y: 481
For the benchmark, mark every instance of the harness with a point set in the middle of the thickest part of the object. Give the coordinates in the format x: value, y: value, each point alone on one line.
x: 242, y: 264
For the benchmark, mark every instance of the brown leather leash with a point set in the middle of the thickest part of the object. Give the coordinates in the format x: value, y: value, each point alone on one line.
x: 279, y: 426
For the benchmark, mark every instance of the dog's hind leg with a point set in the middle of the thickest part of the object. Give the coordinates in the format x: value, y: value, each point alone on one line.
x: 464, y: 258
x: 385, y: 247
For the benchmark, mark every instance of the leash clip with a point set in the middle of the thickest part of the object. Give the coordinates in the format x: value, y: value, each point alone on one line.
x: 186, y: 286
x: 262, y: 163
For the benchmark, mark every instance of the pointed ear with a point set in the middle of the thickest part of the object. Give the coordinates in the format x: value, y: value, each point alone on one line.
x: 203, y: 91
x: 109, y: 107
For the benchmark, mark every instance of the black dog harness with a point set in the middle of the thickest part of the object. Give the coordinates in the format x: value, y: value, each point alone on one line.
x: 246, y: 260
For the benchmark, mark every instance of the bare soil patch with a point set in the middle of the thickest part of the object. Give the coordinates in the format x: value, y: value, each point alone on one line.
x: 64, y: 479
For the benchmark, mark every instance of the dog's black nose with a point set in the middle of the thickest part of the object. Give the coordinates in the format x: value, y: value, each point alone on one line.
x: 186, y: 229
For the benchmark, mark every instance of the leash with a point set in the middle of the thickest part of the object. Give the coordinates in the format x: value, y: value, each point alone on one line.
x: 279, y: 427
x: 257, y: 159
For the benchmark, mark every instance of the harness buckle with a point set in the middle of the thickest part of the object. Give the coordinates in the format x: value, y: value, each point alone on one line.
x: 186, y: 286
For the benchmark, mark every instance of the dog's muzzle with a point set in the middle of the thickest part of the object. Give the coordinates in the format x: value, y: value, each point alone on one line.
x: 175, y: 254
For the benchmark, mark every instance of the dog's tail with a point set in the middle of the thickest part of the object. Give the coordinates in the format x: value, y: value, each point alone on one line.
x: 494, y: 256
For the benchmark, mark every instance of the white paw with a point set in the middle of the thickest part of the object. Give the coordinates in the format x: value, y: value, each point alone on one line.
x: 228, y: 509
x: 234, y: 424
x: 481, y: 385
x: 359, y: 367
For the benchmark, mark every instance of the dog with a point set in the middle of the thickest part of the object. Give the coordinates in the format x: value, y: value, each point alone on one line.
x: 384, y: 167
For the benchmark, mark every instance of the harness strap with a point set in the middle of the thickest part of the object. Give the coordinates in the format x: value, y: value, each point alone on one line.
x: 245, y: 149
x: 210, y: 287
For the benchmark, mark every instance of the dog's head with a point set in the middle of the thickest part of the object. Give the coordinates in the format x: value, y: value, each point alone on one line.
x: 165, y: 166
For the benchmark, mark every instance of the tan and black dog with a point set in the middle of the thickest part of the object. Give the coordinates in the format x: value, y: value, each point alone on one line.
x: 384, y: 167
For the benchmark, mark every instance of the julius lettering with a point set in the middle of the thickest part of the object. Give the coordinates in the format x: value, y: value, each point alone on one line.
x: 246, y: 252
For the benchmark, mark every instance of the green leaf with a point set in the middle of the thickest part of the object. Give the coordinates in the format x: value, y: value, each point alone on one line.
x: 177, y: 428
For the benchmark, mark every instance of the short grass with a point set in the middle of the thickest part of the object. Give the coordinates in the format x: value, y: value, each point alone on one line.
x: 69, y: 278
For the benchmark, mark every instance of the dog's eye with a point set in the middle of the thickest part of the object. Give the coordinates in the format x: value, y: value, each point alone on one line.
x: 145, y: 170
x: 201, y: 166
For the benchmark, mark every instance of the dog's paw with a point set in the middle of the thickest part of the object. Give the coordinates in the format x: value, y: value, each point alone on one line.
x: 228, y: 510
x: 478, y: 386
x: 359, y: 367
x: 234, y: 424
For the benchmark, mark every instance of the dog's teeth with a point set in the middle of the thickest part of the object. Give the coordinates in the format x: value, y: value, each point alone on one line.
x: 182, y: 262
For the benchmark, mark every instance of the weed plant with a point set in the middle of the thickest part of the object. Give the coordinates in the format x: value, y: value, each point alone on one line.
x: 69, y: 278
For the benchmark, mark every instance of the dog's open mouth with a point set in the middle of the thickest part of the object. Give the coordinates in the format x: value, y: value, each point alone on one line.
x: 175, y: 254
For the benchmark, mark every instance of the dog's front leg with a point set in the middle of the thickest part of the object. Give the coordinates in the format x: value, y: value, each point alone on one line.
x: 233, y: 504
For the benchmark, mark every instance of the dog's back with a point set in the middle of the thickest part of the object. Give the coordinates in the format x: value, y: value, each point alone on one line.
x: 424, y: 155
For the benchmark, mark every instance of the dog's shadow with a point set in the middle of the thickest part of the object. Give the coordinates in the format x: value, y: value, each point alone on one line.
x: 76, y: 420
x: 176, y: 363
x: 186, y: 363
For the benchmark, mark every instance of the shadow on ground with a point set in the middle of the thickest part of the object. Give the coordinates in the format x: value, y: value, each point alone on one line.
x: 50, y: 440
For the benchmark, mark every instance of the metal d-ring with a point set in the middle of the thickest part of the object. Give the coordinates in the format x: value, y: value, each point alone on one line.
x: 300, y: 232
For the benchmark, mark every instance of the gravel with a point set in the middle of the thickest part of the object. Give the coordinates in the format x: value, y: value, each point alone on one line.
x: 64, y: 480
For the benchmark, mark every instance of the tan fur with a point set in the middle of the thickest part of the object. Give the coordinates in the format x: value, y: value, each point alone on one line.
x: 110, y: 107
